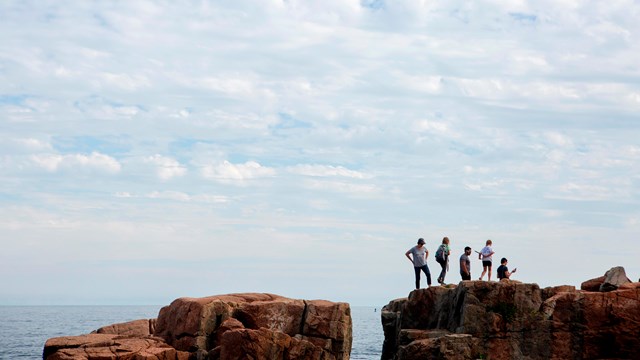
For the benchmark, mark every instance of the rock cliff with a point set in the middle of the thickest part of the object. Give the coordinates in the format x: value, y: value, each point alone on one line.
x: 225, y: 327
x: 512, y: 320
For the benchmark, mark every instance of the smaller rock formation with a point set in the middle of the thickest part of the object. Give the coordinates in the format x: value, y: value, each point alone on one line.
x: 614, y: 278
x: 143, y: 327
x: 110, y: 346
x: 225, y: 327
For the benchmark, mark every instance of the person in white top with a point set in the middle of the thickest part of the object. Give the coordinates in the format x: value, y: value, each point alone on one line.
x: 485, y: 255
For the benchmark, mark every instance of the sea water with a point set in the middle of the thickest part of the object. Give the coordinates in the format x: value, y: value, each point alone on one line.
x: 24, y: 329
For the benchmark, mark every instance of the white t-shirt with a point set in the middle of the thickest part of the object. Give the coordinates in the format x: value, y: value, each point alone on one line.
x: 485, y: 253
x: 419, y: 259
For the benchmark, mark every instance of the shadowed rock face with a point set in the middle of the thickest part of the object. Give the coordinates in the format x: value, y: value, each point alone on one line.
x: 512, y: 320
x: 235, y: 326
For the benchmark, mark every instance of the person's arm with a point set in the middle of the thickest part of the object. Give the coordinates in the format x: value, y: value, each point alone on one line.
x: 409, y: 257
x: 508, y: 273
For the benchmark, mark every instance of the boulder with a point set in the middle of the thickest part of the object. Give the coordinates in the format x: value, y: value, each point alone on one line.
x: 235, y: 326
x: 512, y: 320
x: 592, y: 284
x: 193, y: 324
x: 143, y: 327
x: 614, y: 278
x: 110, y: 347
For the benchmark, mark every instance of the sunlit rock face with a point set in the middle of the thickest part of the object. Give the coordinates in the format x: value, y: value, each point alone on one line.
x: 228, y: 327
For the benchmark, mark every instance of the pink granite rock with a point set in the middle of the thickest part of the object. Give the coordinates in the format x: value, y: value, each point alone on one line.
x: 511, y: 320
x: 235, y: 326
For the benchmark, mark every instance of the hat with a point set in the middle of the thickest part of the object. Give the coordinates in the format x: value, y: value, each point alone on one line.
x: 421, y: 241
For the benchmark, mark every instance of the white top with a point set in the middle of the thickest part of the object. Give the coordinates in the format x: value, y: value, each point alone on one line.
x: 486, y: 251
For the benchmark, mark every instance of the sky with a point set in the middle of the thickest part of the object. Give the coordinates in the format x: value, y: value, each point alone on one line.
x: 151, y: 150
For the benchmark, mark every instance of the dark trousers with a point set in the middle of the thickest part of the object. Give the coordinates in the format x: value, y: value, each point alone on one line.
x: 443, y: 273
x: 465, y: 276
x: 424, y: 269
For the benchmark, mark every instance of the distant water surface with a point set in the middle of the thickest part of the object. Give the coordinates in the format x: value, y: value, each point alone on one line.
x: 24, y: 329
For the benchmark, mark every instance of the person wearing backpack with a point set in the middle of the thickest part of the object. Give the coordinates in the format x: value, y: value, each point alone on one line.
x: 442, y: 257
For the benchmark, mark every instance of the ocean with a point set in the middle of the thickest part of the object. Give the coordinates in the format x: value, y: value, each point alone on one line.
x: 24, y: 329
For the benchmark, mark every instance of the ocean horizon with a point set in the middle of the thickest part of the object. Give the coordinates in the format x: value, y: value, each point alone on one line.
x: 25, y: 329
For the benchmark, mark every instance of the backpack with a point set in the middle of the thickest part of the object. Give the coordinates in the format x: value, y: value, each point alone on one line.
x: 440, y: 254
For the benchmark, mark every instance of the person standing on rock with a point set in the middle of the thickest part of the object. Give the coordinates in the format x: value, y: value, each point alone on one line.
x: 419, y: 261
x: 485, y: 254
x: 442, y: 257
x: 503, y: 270
x: 465, y: 264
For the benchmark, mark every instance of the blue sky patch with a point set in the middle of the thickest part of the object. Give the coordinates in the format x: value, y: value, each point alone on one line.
x: 524, y: 17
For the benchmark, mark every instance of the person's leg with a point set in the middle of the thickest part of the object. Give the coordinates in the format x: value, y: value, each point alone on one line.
x: 443, y: 272
x: 417, y: 270
x: 426, y: 271
x: 489, y: 272
x: 484, y: 270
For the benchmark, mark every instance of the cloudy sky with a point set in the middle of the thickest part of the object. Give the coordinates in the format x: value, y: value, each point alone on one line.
x: 151, y: 150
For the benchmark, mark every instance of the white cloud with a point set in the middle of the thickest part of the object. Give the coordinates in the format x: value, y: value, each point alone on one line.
x: 166, y: 167
x: 326, y: 170
x: 482, y: 186
x: 343, y: 187
x: 177, y: 196
x: 226, y: 171
x: 31, y: 145
x: 170, y: 195
x: 431, y: 126
x: 588, y: 192
x: 93, y: 161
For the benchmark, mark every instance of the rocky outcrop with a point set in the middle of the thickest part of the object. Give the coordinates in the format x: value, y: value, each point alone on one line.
x: 512, y: 320
x: 110, y: 346
x: 226, y: 327
x: 143, y: 327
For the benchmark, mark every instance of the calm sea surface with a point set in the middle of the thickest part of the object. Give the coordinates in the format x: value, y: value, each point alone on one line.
x: 24, y: 329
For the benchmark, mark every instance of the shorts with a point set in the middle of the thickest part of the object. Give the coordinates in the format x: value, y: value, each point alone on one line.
x: 486, y: 263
